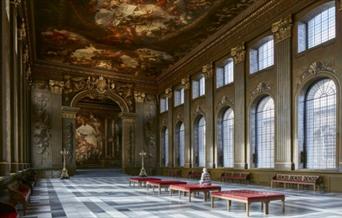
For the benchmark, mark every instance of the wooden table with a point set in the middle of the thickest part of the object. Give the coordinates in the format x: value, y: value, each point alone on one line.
x: 162, y: 184
x: 248, y: 197
x: 194, y: 188
x: 141, y: 181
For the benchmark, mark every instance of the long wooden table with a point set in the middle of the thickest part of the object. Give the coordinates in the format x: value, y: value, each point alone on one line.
x: 248, y: 197
x: 162, y: 184
x: 194, y: 188
x: 141, y: 181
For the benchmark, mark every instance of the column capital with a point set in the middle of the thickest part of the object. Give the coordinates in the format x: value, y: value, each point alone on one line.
x: 208, y: 70
x: 168, y: 92
x: 282, y: 29
x: 139, y: 96
x: 56, y: 87
x: 69, y: 112
x: 238, y: 53
x: 186, y: 83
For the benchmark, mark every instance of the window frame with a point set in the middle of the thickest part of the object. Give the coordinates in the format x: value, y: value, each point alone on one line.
x: 163, y: 107
x: 199, y: 82
x: 222, y: 140
x: 181, y: 92
x: 224, y: 76
x: 196, y: 149
x: 180, y: 143
x: 255, y: 48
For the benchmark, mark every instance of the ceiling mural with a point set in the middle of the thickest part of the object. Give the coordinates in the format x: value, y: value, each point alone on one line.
x: 136, y: 37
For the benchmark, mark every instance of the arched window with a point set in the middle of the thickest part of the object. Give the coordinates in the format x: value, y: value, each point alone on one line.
x: 264, y: 133
x: 227, y: 137
x: 199, y: 146
x: 320, y: 125
x: 180, y: 144
x: 165, y: 147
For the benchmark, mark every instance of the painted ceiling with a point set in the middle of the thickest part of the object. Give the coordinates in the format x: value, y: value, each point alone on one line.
x: 136, y: 37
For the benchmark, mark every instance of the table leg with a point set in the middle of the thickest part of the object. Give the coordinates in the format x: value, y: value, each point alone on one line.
x: 247, y: 208
x: 212, y: 202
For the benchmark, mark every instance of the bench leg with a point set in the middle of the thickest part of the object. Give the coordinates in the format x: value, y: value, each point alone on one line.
x: 247, y: 208
x: 212, y: 202
x: 266, y: 207
x: 190, y: 196
x: 262, y: 206
x: 159, y: 190
x: 283, y: 201
x: 229, y: 204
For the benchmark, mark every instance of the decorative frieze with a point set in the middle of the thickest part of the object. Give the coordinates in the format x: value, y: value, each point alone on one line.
x: 261, y: 88
x: 139, y: 96
x: 186, y: 83
x: 238, y: 53
x: 282, y: 29
x: 314, y: 69
x: 208, y: 70
x: 225, y: 101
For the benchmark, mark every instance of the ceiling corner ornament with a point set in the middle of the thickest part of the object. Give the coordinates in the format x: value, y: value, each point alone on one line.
x: 282, y: 29
x: 139, y: 96
x: 261, y: 88
x: 238, y: 53
x: 225, y: 101
x: 186, y: 83
x: 208, y: 70
x: 168, y: 92
x: 315, y: 69
x: 56, y: 87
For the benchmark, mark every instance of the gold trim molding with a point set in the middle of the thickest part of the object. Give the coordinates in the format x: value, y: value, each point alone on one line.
x: 282, y: 29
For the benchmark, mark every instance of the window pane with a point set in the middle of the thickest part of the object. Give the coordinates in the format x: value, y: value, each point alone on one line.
x: 195, y: 89
x: 229, y: 72
x: 322, y: 27
x: 228, y: 138
x: 320, y: 125
x: 265, y: 133
x: 219, y: 77
x: 201, y: 142
x: 253, y: 61
x: 180, y: 141
x: 265, y: 55
x: 202, y: 86
x: 165, y: 150
x: 301, y: 37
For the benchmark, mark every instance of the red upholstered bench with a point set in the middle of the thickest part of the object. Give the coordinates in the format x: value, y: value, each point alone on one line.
x: 19, y: 193
x: 304, y: 180
x: 235, y: 176
x: 162, y: 184
x: 248, y: 197
x: 194, y: 188
x: 141, y: 181
x: 7, y: 211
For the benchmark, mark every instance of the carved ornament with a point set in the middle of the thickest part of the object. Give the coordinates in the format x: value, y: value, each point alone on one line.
x: 314, y: 69
x: 168, y: 92
x: 179, y: 116
x: 261, y: 88
x: 208, y: 70
x: 56, y: 87
x: 282, y: 29
x: 199, y: 110
x: 139, y: 96
x: 238, y: 53
x: 225, y: 101
x: 22, y: 30
x: 16, y: 3
x: 186, y: 83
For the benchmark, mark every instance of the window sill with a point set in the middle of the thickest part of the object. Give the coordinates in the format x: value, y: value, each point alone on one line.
x: 320, y: 46
x: 164, y: 112
x: 199, y: 97
x: 224, y: 86
x: 267, y: 69
x: 179, y: 105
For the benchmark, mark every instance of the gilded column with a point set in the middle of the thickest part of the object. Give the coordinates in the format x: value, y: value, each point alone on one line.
x: 187, y: 122
x: 239, y: 53
x: 68, y: 134
x: 282, y: 39
x: 208, y: 71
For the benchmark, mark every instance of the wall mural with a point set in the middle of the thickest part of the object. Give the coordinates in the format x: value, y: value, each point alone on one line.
x: 136, y: 37
x: 89, y: 137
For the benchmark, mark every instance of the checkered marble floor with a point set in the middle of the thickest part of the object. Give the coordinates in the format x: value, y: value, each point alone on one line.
x: 105, y: 193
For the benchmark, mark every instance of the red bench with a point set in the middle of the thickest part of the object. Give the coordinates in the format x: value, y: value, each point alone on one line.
x: 162, y: 184
x: 235, y: 176
x: 194, y: 188
x: 248, y: 197
x: 19, y: 193
x: 141, y: 181
x: 7, y: 211
x: 298, y: 180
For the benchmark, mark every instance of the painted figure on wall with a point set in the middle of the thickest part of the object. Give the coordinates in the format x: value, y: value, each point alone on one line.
x: 89, y: 137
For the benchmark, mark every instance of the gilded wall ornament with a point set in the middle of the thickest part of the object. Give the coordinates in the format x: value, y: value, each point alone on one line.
x: 238, y: 53
x: 16, y: 3
x: 56, y: 87
x: 261, y: 88
x: 168, y: 92
x: 139, y: 96
x: 282, y: 29
x: 199, y: 110
x: 186, y: 83
x: 22, y: 30
x: 225, y: 101
x: 208, y: 70
x: 313, y: 70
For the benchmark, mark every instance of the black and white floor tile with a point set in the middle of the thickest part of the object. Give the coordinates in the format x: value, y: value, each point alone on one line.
x: 105, y: 193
